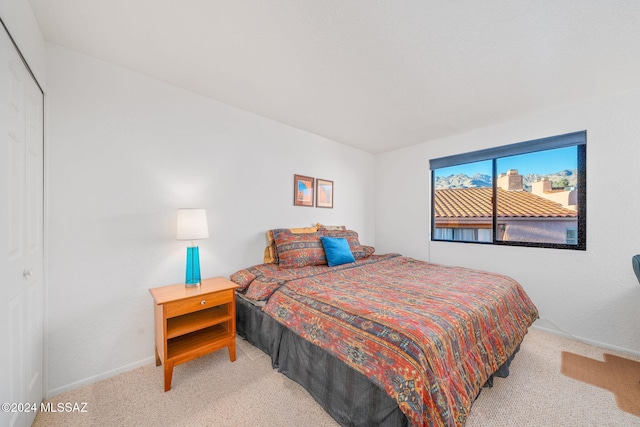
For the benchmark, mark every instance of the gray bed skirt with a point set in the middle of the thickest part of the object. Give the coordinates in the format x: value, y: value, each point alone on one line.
x: 346, y: 394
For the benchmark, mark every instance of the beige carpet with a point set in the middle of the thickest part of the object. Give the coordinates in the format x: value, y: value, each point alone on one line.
x: 211, y: 391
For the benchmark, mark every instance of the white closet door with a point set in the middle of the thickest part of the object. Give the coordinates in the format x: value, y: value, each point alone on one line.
x: 34, y: 220
x: 21, y: 248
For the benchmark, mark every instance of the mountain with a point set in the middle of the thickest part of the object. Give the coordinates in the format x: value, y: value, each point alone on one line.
x: 463, y: 181
x: 565, y: 178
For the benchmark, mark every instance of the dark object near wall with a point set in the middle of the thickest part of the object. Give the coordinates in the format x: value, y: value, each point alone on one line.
x: 636, y: 265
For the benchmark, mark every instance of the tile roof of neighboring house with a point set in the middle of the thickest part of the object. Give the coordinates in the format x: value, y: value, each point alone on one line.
x: 476, y: 203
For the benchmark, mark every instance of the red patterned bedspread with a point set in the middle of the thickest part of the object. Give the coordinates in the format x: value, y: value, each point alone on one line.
x: 262, y: 280
x: 429, y: 335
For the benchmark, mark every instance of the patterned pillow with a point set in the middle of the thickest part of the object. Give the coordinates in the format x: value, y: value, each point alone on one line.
x: 331, y: 227
x: 352, y: 237
x: 298, y: 250
x: 271, y: 253
x: 242, y: 278
x: 368, y: 250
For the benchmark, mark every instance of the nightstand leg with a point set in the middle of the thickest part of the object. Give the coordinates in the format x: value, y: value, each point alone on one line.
x: 232, y: 350
x: 168, y: 373
x: 158, y: 361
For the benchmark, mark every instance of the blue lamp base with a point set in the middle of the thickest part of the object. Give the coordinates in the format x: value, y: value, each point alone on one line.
x: 193, y: 267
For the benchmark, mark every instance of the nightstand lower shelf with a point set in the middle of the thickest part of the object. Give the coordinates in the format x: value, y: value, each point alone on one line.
x: 211, y: 338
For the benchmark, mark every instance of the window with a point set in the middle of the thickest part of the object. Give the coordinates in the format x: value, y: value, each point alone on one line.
x: 531, y: 193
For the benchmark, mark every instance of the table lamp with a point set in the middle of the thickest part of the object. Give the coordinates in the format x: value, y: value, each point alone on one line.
x: 192, y: 225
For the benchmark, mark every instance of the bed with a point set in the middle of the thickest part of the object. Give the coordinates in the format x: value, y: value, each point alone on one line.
x: 385, y: 339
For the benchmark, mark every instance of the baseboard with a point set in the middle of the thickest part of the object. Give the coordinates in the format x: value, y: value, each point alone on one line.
x: 99, y: 377
x: 594, y: 343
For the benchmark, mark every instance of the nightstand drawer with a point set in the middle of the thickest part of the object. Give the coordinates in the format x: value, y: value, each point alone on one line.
x: 199, y: 302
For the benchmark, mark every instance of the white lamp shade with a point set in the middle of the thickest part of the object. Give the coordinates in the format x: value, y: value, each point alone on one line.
x: 192, y: 224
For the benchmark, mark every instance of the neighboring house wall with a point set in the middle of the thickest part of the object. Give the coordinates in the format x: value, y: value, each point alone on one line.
x: 554, y: 230
x: 567, y: 198
x: 125, y: 152
x: 591, y: 295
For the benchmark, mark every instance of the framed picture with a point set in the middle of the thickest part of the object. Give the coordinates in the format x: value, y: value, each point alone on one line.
x: 324, y: 193
x: 302, y: 190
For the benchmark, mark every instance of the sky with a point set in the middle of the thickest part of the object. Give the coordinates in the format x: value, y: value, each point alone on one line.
x: 541, y: 162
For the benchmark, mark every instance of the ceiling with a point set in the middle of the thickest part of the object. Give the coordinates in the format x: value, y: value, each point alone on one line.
x: 376, y: 75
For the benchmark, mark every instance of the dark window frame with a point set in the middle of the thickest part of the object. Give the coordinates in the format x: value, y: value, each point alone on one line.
x: 577, y: 139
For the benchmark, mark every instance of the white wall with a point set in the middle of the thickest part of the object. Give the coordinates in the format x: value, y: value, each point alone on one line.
x: 592, y: 295
x: 125, y: 152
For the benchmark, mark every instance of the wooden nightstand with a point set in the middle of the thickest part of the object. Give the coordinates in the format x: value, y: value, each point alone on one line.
x: 192, y: 322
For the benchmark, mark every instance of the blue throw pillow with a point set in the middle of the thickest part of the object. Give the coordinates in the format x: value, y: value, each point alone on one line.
x: 337, y: 251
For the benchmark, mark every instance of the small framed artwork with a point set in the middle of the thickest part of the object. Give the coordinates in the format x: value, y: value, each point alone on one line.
x: 324, y: 193
x: 302, y: 190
